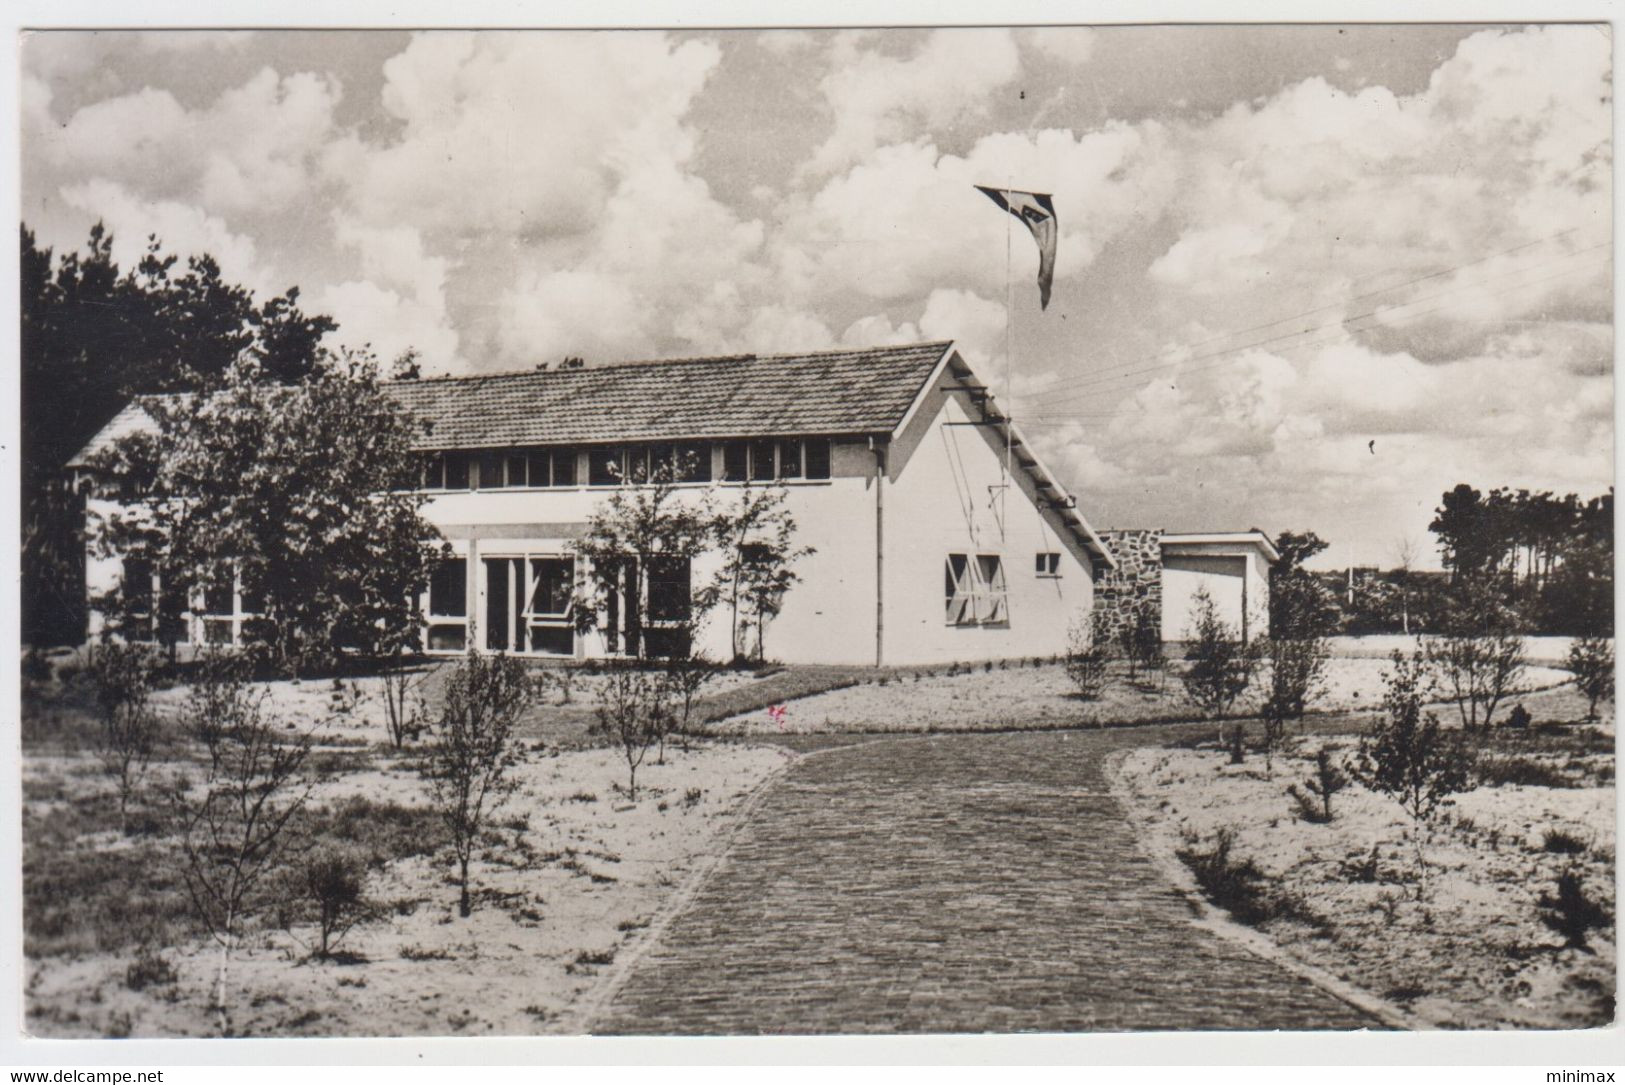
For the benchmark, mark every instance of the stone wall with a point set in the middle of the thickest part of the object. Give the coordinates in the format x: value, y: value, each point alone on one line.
x: 1137, y: 580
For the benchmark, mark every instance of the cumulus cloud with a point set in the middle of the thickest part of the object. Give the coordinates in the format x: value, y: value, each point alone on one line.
x: 878, y: 98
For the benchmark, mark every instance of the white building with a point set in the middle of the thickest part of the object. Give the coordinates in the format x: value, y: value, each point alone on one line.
x: 1165, y: 570
x: 938, y: 535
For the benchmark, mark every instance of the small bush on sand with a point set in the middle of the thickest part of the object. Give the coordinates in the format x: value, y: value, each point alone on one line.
x: 1315, y: 800
x: 1238, y: 886
x: 334, y: 882
x: 1592, y: 661
x: 149, y: 969
x: 1571, y: 913
x: 1088, y: 643
x: 1141, y: 639
x: 1562, y: 842
x: 466, y: 762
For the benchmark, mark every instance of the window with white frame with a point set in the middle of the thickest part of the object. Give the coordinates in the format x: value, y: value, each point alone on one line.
x: 1048, y: 563
x: 974, y: 590
x: 446, y: 607
x: 226, y: 608
x: 528, y: 604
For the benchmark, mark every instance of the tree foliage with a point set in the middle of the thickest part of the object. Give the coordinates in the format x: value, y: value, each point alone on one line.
x: 1479, y: 656
x: 632, y: 531
x: 757, y: 539
x: 1592, y: 661
x: 303, y: 495
x: 94, y: 335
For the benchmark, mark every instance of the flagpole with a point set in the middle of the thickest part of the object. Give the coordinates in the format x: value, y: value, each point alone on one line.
x: 1009, y: 395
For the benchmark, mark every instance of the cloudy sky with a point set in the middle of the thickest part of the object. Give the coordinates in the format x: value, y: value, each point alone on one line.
x: 1309, y: 277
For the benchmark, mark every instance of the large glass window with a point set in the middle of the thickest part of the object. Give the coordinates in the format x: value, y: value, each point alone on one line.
x: 761, y: 460
x: 136, y: 590
x: 735, y: 462
x: 456, y: 470
x: 447, y: 607
x: 528, y: 604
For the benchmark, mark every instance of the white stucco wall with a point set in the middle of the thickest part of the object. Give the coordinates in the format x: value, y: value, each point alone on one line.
x: 938, y: 501
x: 1233, y: 575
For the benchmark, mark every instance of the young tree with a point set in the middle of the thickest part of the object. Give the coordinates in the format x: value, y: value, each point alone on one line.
x: 124, y: 679
x: 1088, y: 653
x: 1298, y: 651
x: 1327, y: 781
x: 300, y: 497
x: 1479, y: 656
x: 1221, y: 665
x: 634, y: 711
x: 640, y: 544
x: 238, y: 829
x: 757, y: 540
x: 405, y: 713
x: 1592, y: 661
x: 1141, y: 639
x: 1409, y: 757
x: 686, y: 675
x: 472, y: 750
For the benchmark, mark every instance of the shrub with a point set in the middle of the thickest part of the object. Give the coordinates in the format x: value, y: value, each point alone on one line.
x: 1238, y: 886
x: 1409, y: 757
x: 1087, y: 654
x: 472, y: 749
x: 334, y: 881
x: 1571, y: 913
x: 1561, y: 842
x: 1221, y: 663
x: 1327, y: 781
x: 686, y: 674
x: 149, y: 969
x: 1592, y: 661
x: 124, y: 682
x: 1524, y: 771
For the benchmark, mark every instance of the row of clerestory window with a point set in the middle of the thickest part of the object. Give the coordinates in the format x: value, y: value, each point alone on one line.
x: 753, y: 460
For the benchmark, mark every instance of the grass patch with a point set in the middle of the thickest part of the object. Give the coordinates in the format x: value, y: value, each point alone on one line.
x: 384, y: 831
x: 1561, y: 842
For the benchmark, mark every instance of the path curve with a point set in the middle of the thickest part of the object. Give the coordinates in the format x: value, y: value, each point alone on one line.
x: 962, y: 883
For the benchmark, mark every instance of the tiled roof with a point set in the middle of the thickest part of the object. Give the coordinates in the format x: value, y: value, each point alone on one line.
x: 834, y: 392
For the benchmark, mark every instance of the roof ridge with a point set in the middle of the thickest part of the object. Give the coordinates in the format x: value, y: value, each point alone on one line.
x: 507, y: 374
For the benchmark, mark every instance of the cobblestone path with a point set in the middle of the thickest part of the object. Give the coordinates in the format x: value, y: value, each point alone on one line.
x: 965, y: 883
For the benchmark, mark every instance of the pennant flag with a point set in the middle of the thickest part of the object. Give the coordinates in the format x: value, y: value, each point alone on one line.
x: 1037, y: 211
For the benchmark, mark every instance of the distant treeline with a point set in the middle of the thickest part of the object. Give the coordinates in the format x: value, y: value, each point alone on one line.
x: 1549, y: 559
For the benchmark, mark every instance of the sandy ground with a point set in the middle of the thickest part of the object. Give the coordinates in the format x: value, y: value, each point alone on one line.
x: 310, y: 700
x: 1038, y: 697
x: 572, y: 877
x: 1464, y: 948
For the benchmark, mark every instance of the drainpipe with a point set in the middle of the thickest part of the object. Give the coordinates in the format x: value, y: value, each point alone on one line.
x: 879, y: 451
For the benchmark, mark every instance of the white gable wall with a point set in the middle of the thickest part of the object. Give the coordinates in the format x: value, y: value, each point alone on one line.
x: 941, y: 498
